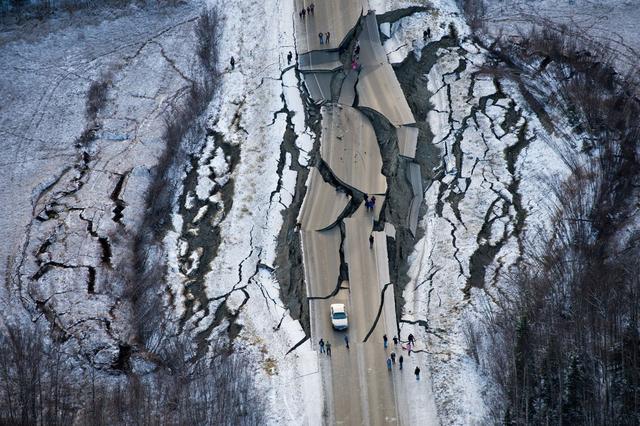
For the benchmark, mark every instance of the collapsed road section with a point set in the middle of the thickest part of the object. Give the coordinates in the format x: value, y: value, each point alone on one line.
x: 341, y: 223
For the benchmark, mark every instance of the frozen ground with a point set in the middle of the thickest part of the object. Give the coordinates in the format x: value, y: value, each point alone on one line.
x: 65, y: 201
x: 235, y: 291
x: 487, y: 195
x: 70, y: 181
x: 489, y: 192
x: 71, y: 206
x: 612, y: 23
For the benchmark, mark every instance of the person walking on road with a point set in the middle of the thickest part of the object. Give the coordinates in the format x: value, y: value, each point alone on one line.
x: 373, y: 201
x: 417, y: 372
x: 320, y: 35
x: 327, y: 35
x: 311, y: 7
x: 385, y: 341
x: 233, y: 62
x: 304, y: 13
x: 393, y: 357
x: 289, y: 58
x: 371, y: 241
x: 388, y: 363
x: 321, y: 345
x: 400, y: 361
x: 411, y: 339
x: 346, y: 340
x: 395, y: 340
x: 328, y: 348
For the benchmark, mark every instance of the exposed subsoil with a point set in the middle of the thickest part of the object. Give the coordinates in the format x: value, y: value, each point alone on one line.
x: 199, y: 234
x: 289, y: 268
x: 412, y: 77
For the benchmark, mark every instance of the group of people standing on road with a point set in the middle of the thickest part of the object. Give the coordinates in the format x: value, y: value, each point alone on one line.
x: 391, y: 359
x: 324, y: 37
x: 325, y: 347
x: 308, y: 11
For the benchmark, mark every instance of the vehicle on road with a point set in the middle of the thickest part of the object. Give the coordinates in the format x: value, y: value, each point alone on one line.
x: 339, y: 318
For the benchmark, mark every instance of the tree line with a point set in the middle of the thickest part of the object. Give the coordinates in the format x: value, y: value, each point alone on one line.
x: 41, y: 384
x: 564, y: 348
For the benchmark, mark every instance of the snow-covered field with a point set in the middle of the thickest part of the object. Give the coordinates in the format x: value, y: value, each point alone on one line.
x: 65, y: 204
x: 67, y: 176
x: 490, y: 193
x: 610, y: 23
x: 251, y: 113
x: 493, y: 193
x: 63, y: 200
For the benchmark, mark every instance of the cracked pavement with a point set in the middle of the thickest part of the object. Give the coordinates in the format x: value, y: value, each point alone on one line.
x: 341, y: 264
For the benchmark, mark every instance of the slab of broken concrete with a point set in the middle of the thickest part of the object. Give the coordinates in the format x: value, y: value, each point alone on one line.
x: 378, y: 88
x: 319, y: 61
x: 321, y: 258
x: 322, y: 205
x: 350, y: 149
x: 372, y: 52
x: 348, y: 89
x: 414, y: 177
x: 318, y: 85
x: 407, y: 141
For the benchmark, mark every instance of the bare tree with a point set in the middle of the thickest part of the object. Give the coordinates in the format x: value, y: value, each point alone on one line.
x: 566, y: 347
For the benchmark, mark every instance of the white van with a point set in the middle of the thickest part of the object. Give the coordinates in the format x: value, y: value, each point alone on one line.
x: 339, y: 319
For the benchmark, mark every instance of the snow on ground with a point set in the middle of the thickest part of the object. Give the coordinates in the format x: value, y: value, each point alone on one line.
x: 60, y: 190
x: 406, y: 35
x: 613, y: 23
x: 473, y: 206
x: 148, y: 56
x: 496, y: 163
x: 249, y: 114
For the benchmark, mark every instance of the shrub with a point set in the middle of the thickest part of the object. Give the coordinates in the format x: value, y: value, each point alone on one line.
x: 566, y: 347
